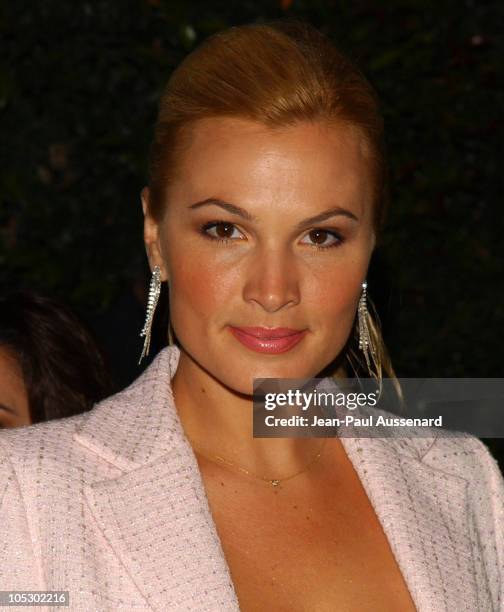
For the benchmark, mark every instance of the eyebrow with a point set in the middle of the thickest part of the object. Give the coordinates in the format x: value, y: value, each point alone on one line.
x: 7, y: 409
x: 244, y: 214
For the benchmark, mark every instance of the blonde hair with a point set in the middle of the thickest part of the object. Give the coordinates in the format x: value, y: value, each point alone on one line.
x: 278, y: 73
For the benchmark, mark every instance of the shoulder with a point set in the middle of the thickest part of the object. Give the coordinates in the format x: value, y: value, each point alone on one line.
x: 462, y: 455
x: 469, y: 459
x: 23, y: 448
x: 455, y: 452
x: 33, y: 462
x: 29, y: 437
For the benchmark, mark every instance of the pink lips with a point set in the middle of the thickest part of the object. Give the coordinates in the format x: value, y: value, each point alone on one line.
x: 268, y: 340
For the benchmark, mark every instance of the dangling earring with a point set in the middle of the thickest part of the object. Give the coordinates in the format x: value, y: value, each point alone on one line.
x: 154, y: 291
x: 365, y: 342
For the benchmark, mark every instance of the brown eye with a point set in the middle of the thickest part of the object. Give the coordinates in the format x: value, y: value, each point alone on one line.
x: 221, y: 231
x: 324, y: 239
x: 318, y: 236
x: 224, y: 230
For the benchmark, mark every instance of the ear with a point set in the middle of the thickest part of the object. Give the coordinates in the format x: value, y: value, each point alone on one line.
x: 152, y: 236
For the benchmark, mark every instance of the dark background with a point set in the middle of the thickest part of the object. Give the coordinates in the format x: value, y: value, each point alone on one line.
x: 79, y: 85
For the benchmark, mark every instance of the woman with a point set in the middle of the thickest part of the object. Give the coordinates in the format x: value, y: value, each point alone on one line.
x: 266, y: 195
x: 50, y: 364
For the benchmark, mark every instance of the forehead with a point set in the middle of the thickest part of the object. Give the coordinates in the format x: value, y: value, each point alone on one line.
x: 315, y: 159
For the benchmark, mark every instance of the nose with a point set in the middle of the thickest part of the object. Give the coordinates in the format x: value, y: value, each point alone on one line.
x: 272, y: 280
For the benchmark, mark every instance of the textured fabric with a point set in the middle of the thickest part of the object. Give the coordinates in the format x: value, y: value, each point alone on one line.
x: 110, y: 506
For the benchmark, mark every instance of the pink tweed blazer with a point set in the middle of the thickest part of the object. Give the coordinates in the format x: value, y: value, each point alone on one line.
x: 110, y: 506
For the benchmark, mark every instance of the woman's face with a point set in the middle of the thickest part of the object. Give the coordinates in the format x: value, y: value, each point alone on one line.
x: 260, y: 259
x: 14, y: 407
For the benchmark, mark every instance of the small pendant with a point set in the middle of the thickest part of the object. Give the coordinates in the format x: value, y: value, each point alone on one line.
x: 275, y: 483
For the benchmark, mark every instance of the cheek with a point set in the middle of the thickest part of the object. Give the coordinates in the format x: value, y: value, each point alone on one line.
x: 198, y: 288
x: 333, y: 295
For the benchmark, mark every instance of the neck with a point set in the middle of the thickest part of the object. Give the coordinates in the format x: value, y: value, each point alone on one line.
x: 219, y: 421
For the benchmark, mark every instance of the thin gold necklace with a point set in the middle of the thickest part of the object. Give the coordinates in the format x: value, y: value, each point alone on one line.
x: 275, y: 482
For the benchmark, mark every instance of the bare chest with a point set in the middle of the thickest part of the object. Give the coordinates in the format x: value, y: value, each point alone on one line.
x: 303, y: 550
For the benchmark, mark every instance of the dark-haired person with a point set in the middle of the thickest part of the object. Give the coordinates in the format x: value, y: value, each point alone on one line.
x: 14, y: 403
x: 50, y: 364
x: 265, y: 201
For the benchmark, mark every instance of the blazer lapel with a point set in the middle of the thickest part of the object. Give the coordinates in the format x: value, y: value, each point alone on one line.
x: 155, y: 514
x: 157, y: 521
x: 156, y: 517
x: 425, y: 515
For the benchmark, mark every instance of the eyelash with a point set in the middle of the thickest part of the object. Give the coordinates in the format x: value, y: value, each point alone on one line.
x: 210, y: 224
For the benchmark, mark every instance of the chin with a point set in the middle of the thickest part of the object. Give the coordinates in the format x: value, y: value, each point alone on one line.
x: 241, y: 379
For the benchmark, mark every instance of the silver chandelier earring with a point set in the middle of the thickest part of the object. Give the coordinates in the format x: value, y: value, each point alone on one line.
x: 365, y: 342
x: 154, y: 291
